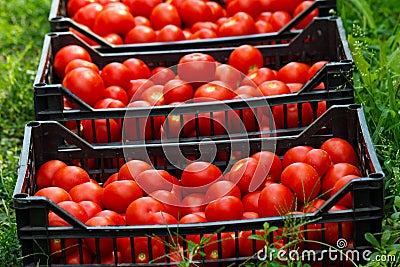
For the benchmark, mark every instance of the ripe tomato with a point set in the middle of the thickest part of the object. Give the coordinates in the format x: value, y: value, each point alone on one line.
x: 250, y: 201
x: 170, y: 33
x: 193, y: 202
x: 251, y: 7
x: 142, y: 21
x: 154, y: 95
x: 279, y: 19
x: 229, y: 75
x: 140, y: 34
x: 247, y: 246
x: 211, y: 249
x: 273, y: 87
x: 332, y: 232
x: 303, y: 180
x: 70, y: 176
x: 105, y: 131
x: 258, y: 76
x: 137, y: 87
x: 336, y: 172
x: 109, y: 103
x: 119, y: 194
x: 141, y: 210
x: 177, y: 91
x: 295, y: 154
x: 115, y: 217
x: 141, y: 7
x: 87, y: 191
x: 216, y: 9
x: 192, y: 218
x: 138, y: 68
x: 161, y: 75
x: 71, y: 207
x: 286, y: 5
x: 113, y: 20
x: 293, y: 118
x: 240, y: 23
x: 340, y: 150
x: 203, y: 34
x: 74, y: 5
x: 275, y: 200
x: 131, y: 169
x: 116, y: 73
x: 75, y: 257
x: 105, y: 245
x: 293, y: 72
x: 215, y: 90
x: 196, y: 67
x: 55, y: 194
x: 263, y: 26
x: 199, y: 175
x: 44, y: 174
x: 91, y: 208
x: 113, y: 38
x: 315, y: 67
x: 164, y: 14
x: 117, y: 93
x: 87, y: 14
x: 67, y: 54
x: 77, y: 63
x: 86, y: 84
x: 347, y: 200
x: 152, y: 180
x: 141, y: 249
x: 169, y: 200
x: 246, y: 58
x: 319, y: 159
x: 249, y: 174
x: 272, y: 164
x: 307, y: 20
x: 192, y: 11
x: 220, y: 189
x: 248, y: 90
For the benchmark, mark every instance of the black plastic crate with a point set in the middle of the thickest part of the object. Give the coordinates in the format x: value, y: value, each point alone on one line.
x: 60, y: 21
x: 324, y: 40
x: 50, y: 140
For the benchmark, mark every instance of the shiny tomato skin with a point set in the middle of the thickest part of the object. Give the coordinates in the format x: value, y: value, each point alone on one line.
x: 119, y: 194
x: 217, y: 10
x: 227, y: 243
x: 113, y: 20
x: 334, y: 173
x: 113, y: 38
x: 239, y: 24
x: 161, y: 75
x: 203, y: 34
x: 293, y: 72
x: 137, y: 87
x: 246, y: 244
x: 214, y: 90
x: 199, y: 175
x: 246, y: 58
x: 229, y: 75
x: 138, y: 68
x: 70, y: 176
x: 169, y: 200
x: 279, y: 19
x: 153, y: 180
x: 86, y: 84
x: 251, y: 7
x: 87, y: 14
x: 177, y: 90
x: 131, y: 169
x: 263, y: 26
x: 192, y: 11
x: 303, y: 180
x: 115, y: 217
x: 347, y: 200
x: 258, y: 76
x: 224, y: 208
x: 116, y: 73
x: 193, y: 202
x: 101, y: 134
x: 222, y: 188
x: 197, y: 67
x: 274, y: 87
x: 319, y: 159
x: 74, y: 5
x: 275, y: 200
x: 154, y: 95
x: 117, y: 93
x: 91, y: 208
x: 74, y: 256
x: 76, y: 63
x: 285, y: 5
x: 73, y: 209
x: 272, y: 163
x: 250, y: 201
x: 140, y: 34
x: 170, y: 33
x: 141, y: 210
x: 192, y: 218
x: 307, y: 20
x: 332, y: 229
x: 292, y: 115
x: 87, y: 191
x: 141, y: 7
x: 164, y: 14
x: 44, y: 174
x: 106, y: 245
x: 295, y: 154
x: 340, y: 150
x: 55, y: 194
x: 251, y: 91
x: 141, y: 249
x: 315, y: 67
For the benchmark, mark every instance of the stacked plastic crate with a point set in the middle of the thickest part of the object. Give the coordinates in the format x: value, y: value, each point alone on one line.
x: 102, y: 140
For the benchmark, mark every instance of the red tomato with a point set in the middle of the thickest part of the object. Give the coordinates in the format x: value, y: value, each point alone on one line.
x: 225, y: 241
x: 67, y: 54
x: 141, y: 7
x: 246, y: 58
x: 117, y: 93
x: 216, y: 9
x: 169, y: 200
x: 113, y: 38
x: 334, y: 173
x: 119, y: 194
x: 204, y: 25
x: 279, y: 19
x: 105, y: 245
x: 307, y: 20
x: 141, y: 249
x: 239, y: 24
x: 87, y: 191
x: 175, y: 125
x: 272, y: 164
x: 116, y: 73
x: 340, y: 150
x: 154, y: 95
x: 248, y: 90
x: 293, y: 72
x: 203, y: 34
x: 55, y: 194
x: 153, y: 180
x: 143, y: 21
x: 222, y: 188
x: 44, y: 175
x: 215, y: 90
x: 332, y: 233
x: 105, y: 131
x: 191, y: 203
x: 164, y: 14
x: 263, y: 26
x: 75, y: 257
x: 312, y: 206
x: 250, y: 201
x: 140, y: 34
x: 249, y: 174
x: 87, y: 14
x: 319, y: 159
x: 71, y: 207
x: 274, y: 87
x: 170, y: 33
x: 91, y: 208
x: 115, y: 217
x: 74, y: 5
x: 192, y: 11
x: 177, y: 91
x: 131, y: 169
x: 138, y: 68
x: 112, y: 178
x: 137, y: 87
x: 303, y: 180
x: 258, y: 76
x: 77, y: 63
x: 113, y: 20
x: 251, y: 7
x: 196, y: 67
x: 192, y: 218
x: 293, y: 118
x: 70, y: 176
x: 286, y: 5
x: 229, y: 75
x: 162, y: 217
x: 248, y: 247
x: 315, y: 67
x: 109, y: 103
x: 199, y: 175
x: 86, y: 84
x: 141, y: 210
x: 347, y: 200
x: 295, y: 154
x: 275, y: 200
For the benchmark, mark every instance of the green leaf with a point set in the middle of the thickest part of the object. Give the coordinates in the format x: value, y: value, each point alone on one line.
x: 386, y: 237
x: 397, y: 199
x: 372, y: 239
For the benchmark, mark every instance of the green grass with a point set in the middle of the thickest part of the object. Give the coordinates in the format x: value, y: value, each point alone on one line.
x: 374, y: 37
